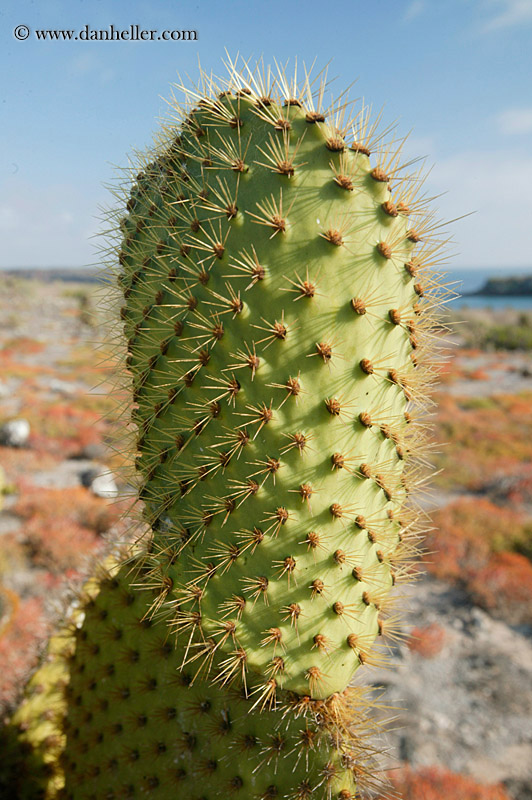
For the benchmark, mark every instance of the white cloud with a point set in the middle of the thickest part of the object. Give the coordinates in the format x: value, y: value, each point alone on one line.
x: 414, y: 9
x: 515, y: 121
x: 496, y: 186
x: 84, y: 63
x: 508, y: 14
x: 88, y: 64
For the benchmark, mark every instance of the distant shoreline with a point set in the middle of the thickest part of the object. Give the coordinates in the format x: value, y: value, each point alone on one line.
x: 515, y: 286
x: 70, y: 274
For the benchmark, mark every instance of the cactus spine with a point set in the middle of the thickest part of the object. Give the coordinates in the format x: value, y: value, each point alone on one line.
x: 280, y: 345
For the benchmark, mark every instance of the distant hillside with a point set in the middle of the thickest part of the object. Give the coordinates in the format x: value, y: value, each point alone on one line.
x: 81, y: 275
x: 506, y: 287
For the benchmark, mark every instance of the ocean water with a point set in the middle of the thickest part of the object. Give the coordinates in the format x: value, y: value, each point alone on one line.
x: 471, y: 280
x: 493, y: 303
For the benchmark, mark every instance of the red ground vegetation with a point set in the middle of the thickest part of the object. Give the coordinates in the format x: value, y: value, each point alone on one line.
x: 488, y: 437
x: 476, y: 543
x: 435, y: 783
x: 21, y: 461
x: 11, y: 367
x: 61, y: 527
x: 467, y: 532
x: 20, y: 641
x: 428, y: 641
x: 22, y: 345
x: 504, y: 587
x: 63, y: 429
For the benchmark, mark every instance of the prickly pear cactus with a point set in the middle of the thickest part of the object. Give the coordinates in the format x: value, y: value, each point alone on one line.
x: 275, y: 264
x: 272, y: 316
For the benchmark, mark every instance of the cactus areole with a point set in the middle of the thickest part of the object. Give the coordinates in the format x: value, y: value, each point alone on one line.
x: 276, y: 268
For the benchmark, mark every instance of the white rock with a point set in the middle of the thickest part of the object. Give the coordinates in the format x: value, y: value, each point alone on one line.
x: 479, y: 619
x: 103, y: 485
x: 15, y: 433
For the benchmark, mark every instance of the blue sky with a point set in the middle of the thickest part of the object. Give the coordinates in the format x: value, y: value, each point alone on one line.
x: 456, y: 73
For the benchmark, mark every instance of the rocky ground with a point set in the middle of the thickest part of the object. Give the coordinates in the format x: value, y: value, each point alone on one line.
x: 462, y: 685
x: 467, y: 706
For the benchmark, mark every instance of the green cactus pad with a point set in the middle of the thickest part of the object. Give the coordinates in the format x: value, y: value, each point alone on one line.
x: 112, y: 715
x: 272, y: 315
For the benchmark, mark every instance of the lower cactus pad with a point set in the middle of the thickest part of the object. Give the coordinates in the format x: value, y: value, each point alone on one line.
x: 113, y: 715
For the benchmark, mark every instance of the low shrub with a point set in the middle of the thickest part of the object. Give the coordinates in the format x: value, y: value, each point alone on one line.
x: 61, y: 527
x: 20, y: 642
x: 484, y: 548
x: 427, y: 641
x: 436, y: 783
x: 484, y: 438
x: 504, y: 587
